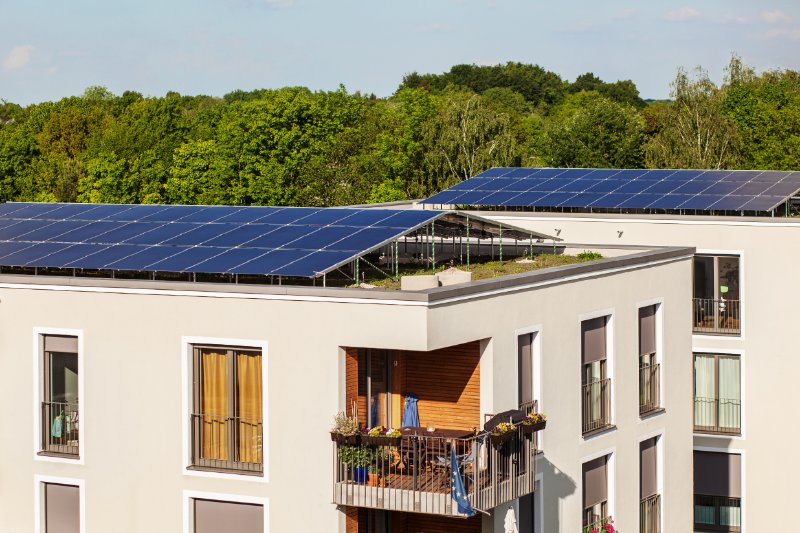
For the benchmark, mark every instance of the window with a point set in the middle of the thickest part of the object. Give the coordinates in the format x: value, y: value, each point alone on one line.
x: 62, y: 508
x: 716, y: 304
x: 649, y: 367
x: 60, y: 389
x: 595, y: 494
x: 213, y: 516
x: 717, y: 394
x: 650, y: 505
x: 596, y: 386
x: 525, y: 394
x: 226, y: 420
x: 717, y: 491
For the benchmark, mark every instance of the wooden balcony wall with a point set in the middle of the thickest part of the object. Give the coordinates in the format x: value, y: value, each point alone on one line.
x: 446, y: 382
x: 413, y: 523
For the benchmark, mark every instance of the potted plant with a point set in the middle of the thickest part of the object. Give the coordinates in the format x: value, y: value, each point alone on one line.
x: 533, y: 422
x: 608, y: 527
x: 381, y: 436
x: 358, y: 458
x: 502, y: 432
x: 345, y: 429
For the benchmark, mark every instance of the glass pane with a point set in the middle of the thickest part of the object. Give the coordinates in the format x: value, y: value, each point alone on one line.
x: 379, y: 398
x: 249, y: 404
x: 728, y: 277
x: 704, y: 277
x: 63, y: 378
x: 214, y: 403
x: 704, y: 391
x: 730, y: 514
x: 729, y: 391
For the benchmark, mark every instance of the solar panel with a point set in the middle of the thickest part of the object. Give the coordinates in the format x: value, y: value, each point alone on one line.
x: 213, y: 239
x: 704, y: 190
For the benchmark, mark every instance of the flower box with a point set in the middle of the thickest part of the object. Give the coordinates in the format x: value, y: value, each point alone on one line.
x: 380, y: 440
x: 530, y: 429
x: 349, y: 440
x: 497, y: 439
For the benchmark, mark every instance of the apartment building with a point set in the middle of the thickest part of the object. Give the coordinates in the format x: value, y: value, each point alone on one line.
x: 745, y: 232
x: 179, y: 368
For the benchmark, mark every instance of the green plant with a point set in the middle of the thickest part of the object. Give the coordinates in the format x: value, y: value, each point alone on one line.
x: 586, y: 255
x: 357, y: 456
x: 502, y: 427
x: 345, y: 425
x: 534, y: 418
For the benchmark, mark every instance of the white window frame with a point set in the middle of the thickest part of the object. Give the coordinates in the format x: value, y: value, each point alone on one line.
x: 660, y: 470
x: 536, y: 367
x: 187, y: 344
x: 659, y: 303
x: 39, y: 482
x: 742, y: 298
x: 190, y: 495
x: 743, y: 474
x: 609, y: 312
x: 38, y: 394
x: 705, y: 350
x: 611, y: 468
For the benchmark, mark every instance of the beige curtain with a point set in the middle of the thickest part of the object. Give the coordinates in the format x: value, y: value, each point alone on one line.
x: 250, y: 402
x: 214, y: 404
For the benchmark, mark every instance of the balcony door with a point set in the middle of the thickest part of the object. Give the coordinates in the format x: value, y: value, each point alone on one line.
x: 60, y: 419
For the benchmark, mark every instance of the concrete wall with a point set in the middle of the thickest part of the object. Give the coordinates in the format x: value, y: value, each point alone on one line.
x: 134, y: 360
x: 770, y: 252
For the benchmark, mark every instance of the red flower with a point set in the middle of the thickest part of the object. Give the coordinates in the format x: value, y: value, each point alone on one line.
x: 608, y: 528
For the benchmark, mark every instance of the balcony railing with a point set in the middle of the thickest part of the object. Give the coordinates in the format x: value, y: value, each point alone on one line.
x: 227, y: 443
x: 717, y: 513
x: 597, y: 525
x: 60, y: 428
x: 713, y: 415
x: 596, y: 402
x: 650, y: 514
x: 716, y: 316
x: 414, y: 475
x: 649, y: 388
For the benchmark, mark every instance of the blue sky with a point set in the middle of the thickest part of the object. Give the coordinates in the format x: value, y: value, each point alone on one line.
x: 52, y: 48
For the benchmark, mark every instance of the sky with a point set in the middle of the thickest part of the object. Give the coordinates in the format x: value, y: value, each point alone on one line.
x: 51, y: 48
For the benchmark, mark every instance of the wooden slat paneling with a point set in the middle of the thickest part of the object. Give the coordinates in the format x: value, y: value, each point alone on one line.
x: 351, y: 378
x: 420, y: 523
x: 448, y: 385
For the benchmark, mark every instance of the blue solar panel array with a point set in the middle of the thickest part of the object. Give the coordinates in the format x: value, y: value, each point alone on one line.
x: 290, y: 241
x: 705, y: 190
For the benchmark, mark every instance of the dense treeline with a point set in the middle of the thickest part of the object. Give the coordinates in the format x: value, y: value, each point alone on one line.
x: 293, y: 146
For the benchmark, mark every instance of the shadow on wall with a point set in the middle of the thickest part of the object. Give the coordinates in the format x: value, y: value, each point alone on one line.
x: 557, y: 486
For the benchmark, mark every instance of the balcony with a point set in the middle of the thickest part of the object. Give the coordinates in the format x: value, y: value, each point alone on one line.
x: 718, y: 415
x: 716, y: 317
x: 650, y: 514
x: 649, y: 388
x: 596, y: 405
x: 228, y: 444
x: 413, y: 474
x: 60, y: 429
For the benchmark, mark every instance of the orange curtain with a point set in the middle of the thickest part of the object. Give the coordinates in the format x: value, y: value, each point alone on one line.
x: 215, y: 405
x: 250, y: 412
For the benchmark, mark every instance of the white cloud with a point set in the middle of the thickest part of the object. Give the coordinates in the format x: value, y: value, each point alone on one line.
x: 683, y: 14
x: 784, y: 33
x: 18, y: 57
x: 775, y: 17
x: 733, y: 19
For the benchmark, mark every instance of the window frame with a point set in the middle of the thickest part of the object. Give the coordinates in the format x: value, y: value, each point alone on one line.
x: 610, y: 366
x: 188, y: 344
x: 659, y: 356
x: 717, y: 352
x: 743, y: 478
x: 611, y: 479
x: 190, y: 495
x: 39, y: 454
x: 39, y: 500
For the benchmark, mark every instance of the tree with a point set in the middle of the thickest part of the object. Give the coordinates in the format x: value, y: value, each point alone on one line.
x: 465, y: 139
x: 594, y: 131
x: 693, y: 130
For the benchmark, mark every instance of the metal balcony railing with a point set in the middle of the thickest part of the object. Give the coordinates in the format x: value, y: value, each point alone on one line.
x: 649, y: 388
x: 650, y: 514
x: 60, y: 428
x: 227, y: 443
x: 597, y: 526
x: 721, y: 317
x: 596, y: 405
x: 718, y: 415
x: 413, y: 473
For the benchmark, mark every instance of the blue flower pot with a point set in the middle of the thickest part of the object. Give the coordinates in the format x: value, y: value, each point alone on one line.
x: 360, y: 474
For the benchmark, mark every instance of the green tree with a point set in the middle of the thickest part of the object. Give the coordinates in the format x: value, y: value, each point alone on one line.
x: 194, y: 178
x: 594, y: 131
x: 693, y: 130
x: 465, y: 139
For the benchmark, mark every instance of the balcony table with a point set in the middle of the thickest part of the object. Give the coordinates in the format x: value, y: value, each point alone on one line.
x: 417, y: 451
